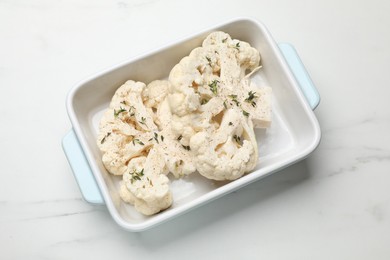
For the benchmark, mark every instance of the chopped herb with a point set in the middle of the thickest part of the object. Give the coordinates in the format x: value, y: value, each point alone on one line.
x: 224, y: 104
x: 234, y: 99
x: 136, y: 176
x: 131, y: 111
x: 209, y: 60
x: 230, y: 123
x: 186, y: 147
x: 142, y: 120
x: 150, y: 139
x: 251, y: 97
x: 224, y: 40
x: 237, y: 46
x: 138, y: 142
x: 162, y: 138
x: 245, y: 113
x: 123, y: 102
x: 150, y: 181
x: 156, y: 137
x: 121, y: 110
x: 204, y: 101
x: 237, y: 138
x: 180, y: 137
x: 213, y: 86
x: 104, y: 138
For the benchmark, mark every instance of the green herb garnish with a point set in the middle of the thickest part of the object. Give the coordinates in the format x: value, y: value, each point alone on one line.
x: 138, y: 142
x: 209, y: 60
x: 237, y: 46
x: 204, y: 101
x: 136, y: 176
x: 131, y: 111
x: 237, y: 138
x: 234, y: 99
x: 224, y: 104
x: 142, y: 120
x: 245, y: 113
x: 213, y: 86
x: 104, y: 138
x: 186, y: 147
x: 162, y: 138
x: 180, y: 137
x: 224, y: 40
x: 121, y: 110
x: 230, y: 123
x: 251, y: 97
x: 156, y: 137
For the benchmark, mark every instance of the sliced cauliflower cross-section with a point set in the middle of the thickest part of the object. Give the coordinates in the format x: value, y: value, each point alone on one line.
x: 201, y: 119
x: 136, y: 142
x: 229, y: 152
x: 145, y: 185
x: 222, y: 136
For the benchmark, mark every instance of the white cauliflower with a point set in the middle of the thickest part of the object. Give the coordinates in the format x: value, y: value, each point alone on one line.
x: 201, y: 119
x: 134, y: 146
x: 220, y: 134
x: 229, y: 152
x: 147, y: 184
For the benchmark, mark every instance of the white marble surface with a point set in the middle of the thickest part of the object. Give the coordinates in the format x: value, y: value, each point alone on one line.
x: 333, y: 205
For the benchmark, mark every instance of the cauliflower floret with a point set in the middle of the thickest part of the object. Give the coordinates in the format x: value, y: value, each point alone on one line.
x: 216, y: 71
x: 127, y: 121
x: 227, y: 154
x: 134, y: 147
x: 155, y: 93
x: 201, y: 119
x: 147, y: 185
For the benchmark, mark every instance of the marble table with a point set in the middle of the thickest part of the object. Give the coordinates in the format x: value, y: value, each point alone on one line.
x: 333, y: 205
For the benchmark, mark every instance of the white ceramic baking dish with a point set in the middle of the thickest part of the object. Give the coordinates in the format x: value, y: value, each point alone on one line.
x: 293, y: 135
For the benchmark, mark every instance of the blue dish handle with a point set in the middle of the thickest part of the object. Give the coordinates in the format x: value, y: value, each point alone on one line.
x: 300, y: 73
x: 81, y: 170
x: 80, y: 166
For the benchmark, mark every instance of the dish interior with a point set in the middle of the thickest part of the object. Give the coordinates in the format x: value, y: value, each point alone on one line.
x: 292, y: 135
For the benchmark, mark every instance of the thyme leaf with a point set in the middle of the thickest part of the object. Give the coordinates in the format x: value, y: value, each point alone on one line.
x: 213, y: 87
x: 138, y: 142
x: 204, y: 101
x: 136, y: 176
x: 208, y: 60
x: 131, y: 111
x: 156, y: 137
x: 104, y: 138
x: 234, y: 99
x: 121, y: 110
x: 186, y: 147
x: 142, y: 120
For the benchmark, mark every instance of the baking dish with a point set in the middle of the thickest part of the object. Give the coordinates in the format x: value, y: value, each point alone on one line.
x: 293, y: 135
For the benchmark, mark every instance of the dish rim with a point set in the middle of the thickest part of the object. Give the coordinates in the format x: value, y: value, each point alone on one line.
x: 213, y: 194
